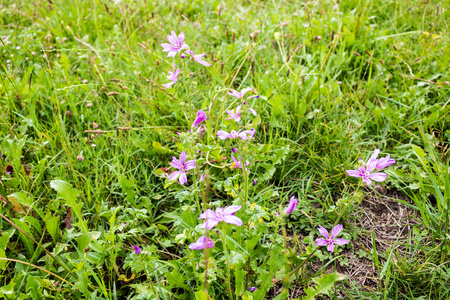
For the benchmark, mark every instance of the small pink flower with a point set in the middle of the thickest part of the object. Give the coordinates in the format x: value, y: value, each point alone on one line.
x: 173, y: 77
x: 365, y: 172
x: 176, y: 44
x: 234, y: 116
x: 223, y: 135
x: 221, y: 214
x: 292, y: 204
x: 202, y: 243
x: 240, y: 94
x: 237, y: 163
x: 253, y: 112
x: 201, y: 116
x: 182, y: 165
x: 330, y: 240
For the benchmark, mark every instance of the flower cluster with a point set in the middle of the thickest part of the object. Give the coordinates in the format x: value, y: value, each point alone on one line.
x: 177, y: 45
x: 365, y: 171
x: 369, y: 171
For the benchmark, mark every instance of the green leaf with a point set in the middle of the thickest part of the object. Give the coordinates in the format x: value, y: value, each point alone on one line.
x: 69, y: 194
x: 200, y: 295
x: 419, y: 152
x: 52, y: 226
x: 323, y: 285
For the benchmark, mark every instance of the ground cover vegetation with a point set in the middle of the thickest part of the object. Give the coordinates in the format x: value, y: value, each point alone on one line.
x: 224, y: 149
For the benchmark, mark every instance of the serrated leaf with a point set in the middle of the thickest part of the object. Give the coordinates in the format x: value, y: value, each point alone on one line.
x: 323, y: 285
x: 69, y: 194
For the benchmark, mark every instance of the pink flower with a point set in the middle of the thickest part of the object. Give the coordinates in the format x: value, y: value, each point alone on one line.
x: 292, y: 204
x: 173, y: 77
x: 202, y: 243
x: 176, y: 44
x: 253, y: 112
x: 182, y: 165
x: 201, y: 116
x: 237, y: 163
x: 223, y: 135
x: 239, y: 94
x: 373, y: 163
x: 234, y: 116
x: 137, y: 250
x: 198, y: 58
x: 331, y: 240
x: 221, y: 214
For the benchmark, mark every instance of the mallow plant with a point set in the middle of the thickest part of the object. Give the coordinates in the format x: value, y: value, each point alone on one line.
x: 231, y: 243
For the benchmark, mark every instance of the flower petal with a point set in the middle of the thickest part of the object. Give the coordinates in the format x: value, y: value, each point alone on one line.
x: 379, y: 177
x: 341, y: 242
x: 367, y: 181
x: 183, y: 178
x: 189, y: 165
x: 223, y: 135
x: 323, y: 232
x: 232, y: 220
x: 321, y: 242
x: 183, y: 157
x: 292, y: 204
x: 175, y: 175
x: 181, y: 38
x: 208, y: 214
x: 176, y: 164
x: 336, y: 230
x: 330, y: 247
x: 375, y: 154
x: 353, y: 173
x: 209, y: 224
x: 231, y: 209
x: 244, y: 91
x: 201, y: 243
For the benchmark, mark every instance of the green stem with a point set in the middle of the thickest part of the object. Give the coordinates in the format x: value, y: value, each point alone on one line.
x: 187, y: 90
x: 151, y: 281
x: 37, y: 267
x: 270, y: 247
x: 195, y: 194
x: 230, y: 296
x: 42, y: 247
x: 205, y: 253
x: 345, y: 208
x: 301, y: 265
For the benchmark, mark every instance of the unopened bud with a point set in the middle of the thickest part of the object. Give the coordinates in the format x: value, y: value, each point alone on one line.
x: 80, y: 157
x: 255, y: 182
x: 68, y: 113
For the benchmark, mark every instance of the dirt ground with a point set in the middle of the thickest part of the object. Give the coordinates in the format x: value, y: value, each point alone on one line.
x: 390, y: 221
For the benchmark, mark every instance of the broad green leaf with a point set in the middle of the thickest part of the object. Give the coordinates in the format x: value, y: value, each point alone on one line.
x: 52, y: 226
x: 323, y: 285
x: 69, y: 194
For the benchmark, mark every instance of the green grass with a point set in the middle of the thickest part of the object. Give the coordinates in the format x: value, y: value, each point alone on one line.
x: 377, y: 77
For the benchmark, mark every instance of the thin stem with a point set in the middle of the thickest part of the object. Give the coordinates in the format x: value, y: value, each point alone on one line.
x: 205, y: 253
x: 42, y: 269
x: 301, y: 265
x: 195, y: 194
x: 187, y: 90
x: 150, y: 279
x: 345, y: 208
x: 42, y: 247
x: 230, y: 296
